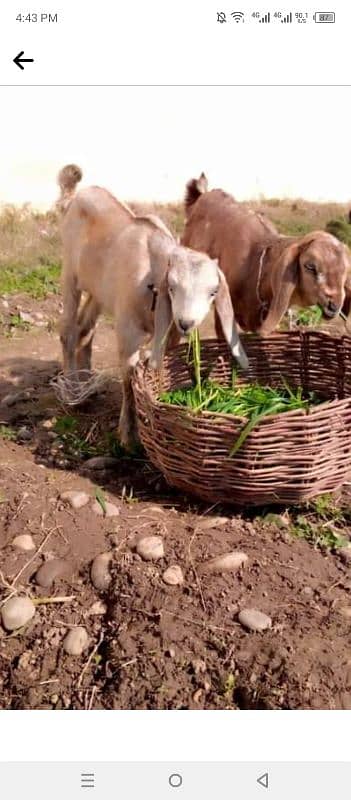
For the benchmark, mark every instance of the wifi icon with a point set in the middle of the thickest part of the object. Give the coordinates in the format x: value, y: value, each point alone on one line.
x: 238, y: 16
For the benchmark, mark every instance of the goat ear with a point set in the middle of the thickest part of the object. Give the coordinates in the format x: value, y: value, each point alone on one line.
x: 202, y: 183
x: 225, y: 312
x: 163, y: 323
x: 284, y: 282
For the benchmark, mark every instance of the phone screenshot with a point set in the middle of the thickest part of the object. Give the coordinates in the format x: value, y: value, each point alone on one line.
x: 175, y: 400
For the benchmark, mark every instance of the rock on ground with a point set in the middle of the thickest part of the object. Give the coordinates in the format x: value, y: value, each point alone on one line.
x: 16, y: 612
x: 51, y: 571
x: 173, y: 575
x: 227, y: 562
x: 100, y: 573
x: 24, y: 542
x: 76, y: 641
x: 75, y: 499
x: 254, y: 620
x: 150, y: 548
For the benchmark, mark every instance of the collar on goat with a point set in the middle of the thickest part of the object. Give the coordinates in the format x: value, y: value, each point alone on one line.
x: 263, y: 303
x: 154, y: 295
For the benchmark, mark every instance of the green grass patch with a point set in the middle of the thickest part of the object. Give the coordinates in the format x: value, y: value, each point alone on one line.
x: 6, y: 432
x: 74, y: 434
x: 320, y: 522
x: 341, y: 229
x: 74, y: 440
x: 292, y: 227
x: 319, y: 534
x: 37, y: 283
x: 17, y: 322
x: 309, y: 317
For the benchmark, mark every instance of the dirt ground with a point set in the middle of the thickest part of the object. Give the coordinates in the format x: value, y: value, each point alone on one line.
x: 151, y: 645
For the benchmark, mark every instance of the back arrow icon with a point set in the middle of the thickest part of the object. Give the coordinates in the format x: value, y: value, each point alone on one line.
x: 20, y: 61
x: 263, y: 780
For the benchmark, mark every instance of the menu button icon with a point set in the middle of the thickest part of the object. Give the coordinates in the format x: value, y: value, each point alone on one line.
x: 87, y: 780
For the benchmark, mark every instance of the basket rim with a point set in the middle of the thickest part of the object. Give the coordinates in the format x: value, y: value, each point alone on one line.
x: 142, y: 370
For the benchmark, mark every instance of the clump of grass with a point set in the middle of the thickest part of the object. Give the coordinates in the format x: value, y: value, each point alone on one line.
x: 78, y: 443
x: 74, y: 442
x: 323, y: 534
x: 17, y: 322
x: 37, y: 283
x: 6, y: 432
x: 250, y: 402
x: 340, y: 228
x: 310, y: 317
x: 292, y: 227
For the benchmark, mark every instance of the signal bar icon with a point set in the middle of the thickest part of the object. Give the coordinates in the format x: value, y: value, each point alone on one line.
x: 288, y: 18
x: 238, y: 16
x: 266, y: 18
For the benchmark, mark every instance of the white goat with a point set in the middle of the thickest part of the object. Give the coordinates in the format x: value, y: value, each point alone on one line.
x: 126, y: 264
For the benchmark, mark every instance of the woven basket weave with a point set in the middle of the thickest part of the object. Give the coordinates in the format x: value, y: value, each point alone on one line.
x: 287, y: 458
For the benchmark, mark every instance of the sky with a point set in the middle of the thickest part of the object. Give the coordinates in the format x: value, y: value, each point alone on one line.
x: 145, y: 143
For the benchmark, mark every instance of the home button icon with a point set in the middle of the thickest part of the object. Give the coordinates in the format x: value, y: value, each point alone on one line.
x: 175, y: 780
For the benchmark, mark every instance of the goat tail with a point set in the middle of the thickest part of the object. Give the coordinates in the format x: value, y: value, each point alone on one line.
x: 67, y: 180
x: 194, y: 189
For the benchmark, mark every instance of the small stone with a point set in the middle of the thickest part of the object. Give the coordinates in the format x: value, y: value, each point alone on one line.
x: 198, y: 665
x: 307, y: 591
x: 24, y: 434
x: 16, y: 397
x: 24, y: 542
x: 109, y: 510
x: 212, y: 522
x: 254, y: 620
x: 54, y: 699
x: 228, y: 562
x: 76, y: 641
x: 98, y: 609
x: 173, y: 575
x: 170, y: 652
x: 24, y: 660
x: 51, y: 571
x: 345, y: 554
x: 26, y: 317
x: 75, y: 499
x: 100, y: 573
x: 197, y: 696
x: 150, y: 548
x: 48, y: 424
x: 16, y: 612
x: 101, y: 462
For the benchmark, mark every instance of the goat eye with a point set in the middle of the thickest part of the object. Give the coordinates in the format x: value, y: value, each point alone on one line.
x: 311, y: 268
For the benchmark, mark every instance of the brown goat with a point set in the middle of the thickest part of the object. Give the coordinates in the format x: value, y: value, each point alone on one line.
x: 266, y: 272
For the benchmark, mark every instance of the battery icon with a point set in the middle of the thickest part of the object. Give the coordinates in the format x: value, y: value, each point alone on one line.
x: 324, y: 16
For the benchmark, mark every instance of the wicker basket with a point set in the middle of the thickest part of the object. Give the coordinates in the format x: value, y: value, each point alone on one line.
x: 287, y: 458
